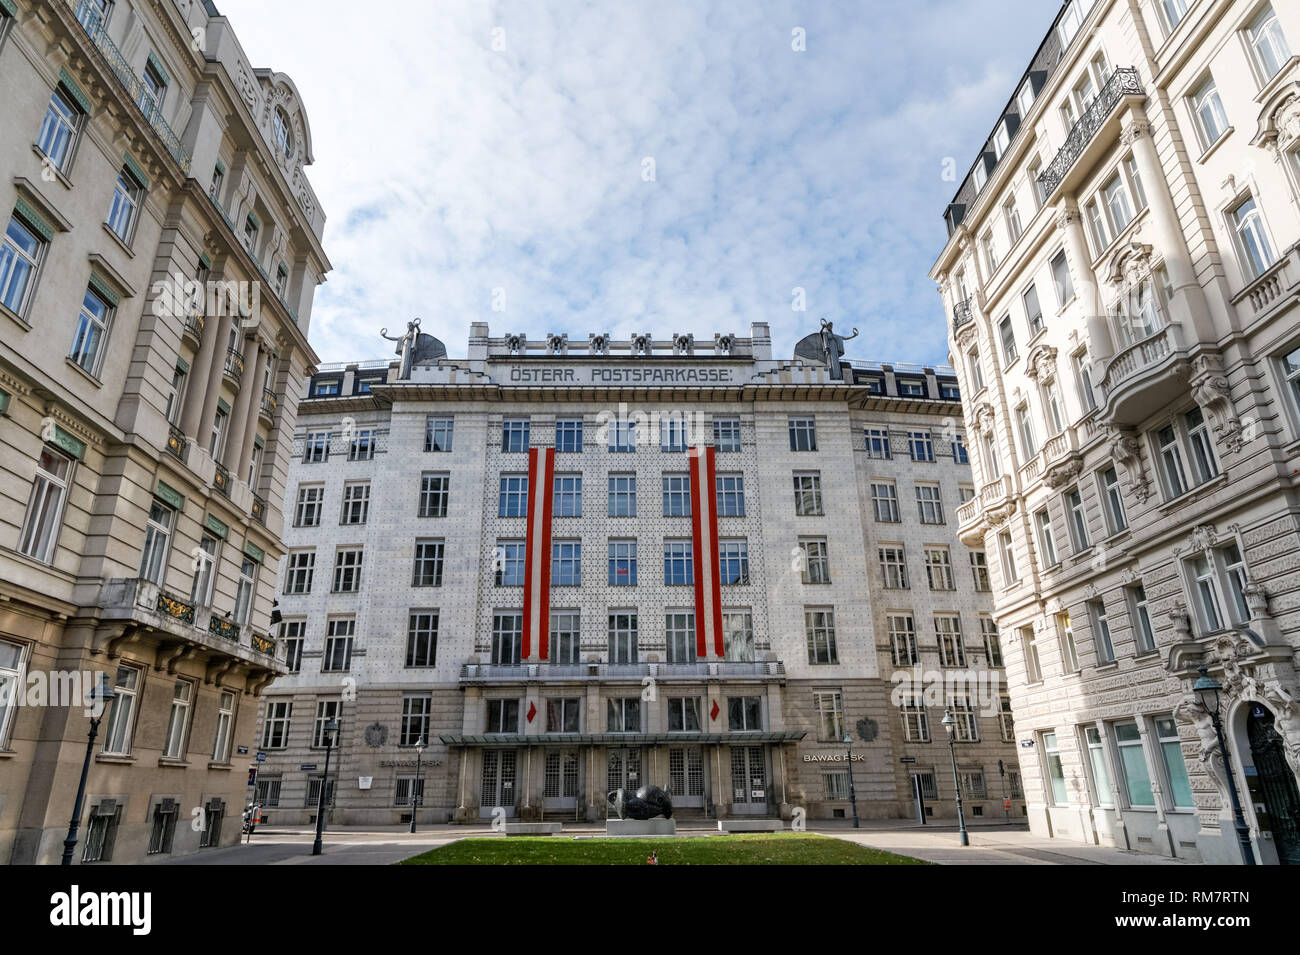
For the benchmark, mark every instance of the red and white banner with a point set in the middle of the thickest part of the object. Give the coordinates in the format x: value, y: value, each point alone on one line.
x: 704, y: 546
x: 537, y: 552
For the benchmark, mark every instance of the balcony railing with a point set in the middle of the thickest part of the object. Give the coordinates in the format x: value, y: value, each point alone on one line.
x: 223, y: 628
x: 961, y: 314
x: 262, y: 643
x: 1123, y: 82
x: 174, y: 607
x: 259, y: 510
x: 221, y: 480
x: 91, y: 21
x: 269, y: 402
x: 620, y: 671
x: 177, y: 443
x: 1132, y: 360
x: 194, y: 326
x: 234, y: 365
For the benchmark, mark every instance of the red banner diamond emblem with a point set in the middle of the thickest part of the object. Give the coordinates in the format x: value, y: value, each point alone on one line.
x: 532, y: 710
x: 713, y: 713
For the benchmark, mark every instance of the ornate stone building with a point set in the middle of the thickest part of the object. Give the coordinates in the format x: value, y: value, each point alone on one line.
x: 1123, y: 282
x: 160, y: 254
x: 577, y: 566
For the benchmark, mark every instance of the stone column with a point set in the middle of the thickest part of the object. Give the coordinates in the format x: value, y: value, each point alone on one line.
x: 239, y: 413
x: 200, y: 383
x: 216, y: 367
x: 254, y: 355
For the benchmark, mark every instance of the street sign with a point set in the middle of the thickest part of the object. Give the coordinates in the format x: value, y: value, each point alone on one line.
x: 1026, y: 743
x: 252, y: 775
x: 907, y: 759
x: 307, y: 767
x: 261, y: 756
x: 241, y: 750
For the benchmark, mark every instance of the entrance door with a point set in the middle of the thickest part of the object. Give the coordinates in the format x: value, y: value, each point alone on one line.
x: 686, y: 776
x: 1276, y: 784
x: 624, y: 772
x: 748, y: 780
x: 560, y: 779
x: 498, y: 782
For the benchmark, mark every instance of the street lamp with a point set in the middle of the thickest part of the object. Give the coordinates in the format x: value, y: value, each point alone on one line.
x: 331, y: 727
x: 949, y: 723
x: 1207, y: 689
x: 853, y: 793
x: 416, y: 785
x: 99, y: 698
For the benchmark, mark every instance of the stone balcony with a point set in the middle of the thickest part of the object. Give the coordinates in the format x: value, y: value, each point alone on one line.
x: 992, y: 505
x: 1279, y: 284
x: 1144, y: 376
x: 621, y: 672
x: 171, y: 619
x: 1061, y: 459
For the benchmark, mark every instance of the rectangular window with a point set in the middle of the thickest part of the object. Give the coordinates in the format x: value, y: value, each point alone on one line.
x: 819, y: 626
x: 162, y: 827
x: 356, y: 503
x: 225, y: 723
x: 929, y: 504
x: 623, y: 633
x: 916, y: 726
x: 1025, y: 428
x: 566, y: 634
x: 508, y: 561
x: 830, y: 716
x: 992, y: 642
x: 1171, y: 462
x: 1113, y: 500
x: 244, y: 591
x: 684, y: 714
x: 339, y: 632
x: 178, y: 720
x: 157, y: 538
x: 677, y: 495
x: 884, y: 503
x: 127, y: 194
x: 1133, y: 764
x: 568, y: 435
x: 92, y: 330
x: 672, y: 434
x: 979, y: 569
x: 428, y: 563
x: 623, y: 715
x: 731, y: 495
x: 566, y: 563
x: 1146, y: 638
x: 45, y: 505
x: 947, y: 632
x: 679, y: 634
x: 326, y: 710
x: 416, y: 711
x: 738, y: 636
x: 301, y: 568
x: 1046, y: 541
x: 1008, y: 554
x: 1032, y: 655
x: 1033, y: 311
x: 502, y: 716
x: 307, y: 511
x: 1101, y: 631
x: 507, y: 638
x: 808, y: 494
x: 1061, y: 279
x: 1069, y: 648
x: 567, y: 494
x: 920, y: 445
x: 816, y: 560
x: 293, y: 640
x: 877, y: 443
x: 967, y: 729
x: 1171, y: 753
x: 1207, y: 107
x: 1118, y: 208
x: 622, y: 563
x: 1204, y: 465
x: 362, y: 446
x: 893, y: 567
x: 1007, y: 335
x: 726, y: 434
x: 803, y: 434
x: 902, y: 640
x: 438, y: 434
x: 316, y: 447
x: 679, y: 567
x: 1268, y: 45
x: 422, y: 638
x: 513, y: 498
x: 1055, y: 770
x: 20, y: 254
x: 622, y: 437
x: 622, y: 495
x: 1078, y: 517
x: 744, y: 714
x: 938, y: 569
x: 1012, y: 216
x: 63, y: 120
x: 275, y: 728
x: 205, y: 571
x: 959, y: 453
x: 121, y: 716
x: 434, y: 491
x: 1097, y: 763
x: 514, y: 435
x: 733, y: 562
x: 347, y: 571
x: 562, y: 715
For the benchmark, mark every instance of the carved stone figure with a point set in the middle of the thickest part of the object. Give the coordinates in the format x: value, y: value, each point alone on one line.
x: 1211, y: 755
x: 516, y: 344
x: 684, y: 344
x: 557, y: 344
x: 649, y: 801
x: 598, y: 344
x: 826, y: 347
x: 642, y: 344
x: 405, y: 347
x: 723, y: 344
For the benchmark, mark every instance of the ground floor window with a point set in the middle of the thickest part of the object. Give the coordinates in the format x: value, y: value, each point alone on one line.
x: 685, y: 771
x: 929, y: 786
x: 162, y: 828
x: 214, y: 813
x: 1055, y: 771
x: 268, y: 793
x: 403, y: 788
x: 101, y: 831
x: 560, y: 775
x: 313, y: 792
x: 836, y: 786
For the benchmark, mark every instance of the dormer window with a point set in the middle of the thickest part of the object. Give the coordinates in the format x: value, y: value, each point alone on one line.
x: 1001, y: 139
x: 280, y: 128
x: 981, y: 174
x: 1025, y: 99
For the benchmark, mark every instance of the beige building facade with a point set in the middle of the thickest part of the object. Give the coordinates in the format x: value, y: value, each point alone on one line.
x: 572, y: 567
x: 1123, y: 285
x: 161, y: 251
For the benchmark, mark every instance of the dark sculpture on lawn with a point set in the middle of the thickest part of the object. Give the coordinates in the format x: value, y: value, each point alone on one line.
x: 649, y: 801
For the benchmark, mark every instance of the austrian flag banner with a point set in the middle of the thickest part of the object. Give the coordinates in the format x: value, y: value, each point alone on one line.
x: 704, y: 547
x: 537, y: 552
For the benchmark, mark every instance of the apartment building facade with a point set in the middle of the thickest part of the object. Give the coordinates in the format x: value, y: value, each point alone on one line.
x: 1123, y: 285
x: 159, y: 260
x: 571, y: 567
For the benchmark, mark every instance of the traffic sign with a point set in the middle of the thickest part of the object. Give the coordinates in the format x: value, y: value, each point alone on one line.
x: 261, y: 756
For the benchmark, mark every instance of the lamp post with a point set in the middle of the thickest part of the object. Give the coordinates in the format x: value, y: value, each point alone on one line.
x: 417, y: 785
x: 102, y: 694
x: 949, y: 723
x: 853, y: 793
x: 331, y: 727
x: 1207, y: 689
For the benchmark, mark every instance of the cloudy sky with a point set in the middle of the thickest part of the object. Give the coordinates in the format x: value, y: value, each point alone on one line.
x: 639, y: 165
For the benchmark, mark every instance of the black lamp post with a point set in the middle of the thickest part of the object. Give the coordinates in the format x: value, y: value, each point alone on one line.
x: 102, y: 692
x: 417, y: 784
x: 331, y: 727
x: 949, y: 723
x: 853, y: 793
x: 1207, y: 689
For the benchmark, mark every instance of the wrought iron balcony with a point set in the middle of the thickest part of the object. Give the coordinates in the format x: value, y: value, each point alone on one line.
x: 1121, y: 83
x: 194, y: 326
x: 961, y: 314
x: 223, y: 628
x: 269, y: 403
x: 234, y: 365
x: 259, y: 510
x: 92, y: 22
x: 221, y: 480
x: 177, y: 443
x: 262, y: 643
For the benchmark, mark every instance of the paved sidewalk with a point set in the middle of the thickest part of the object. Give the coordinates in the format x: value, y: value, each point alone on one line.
x: 990, y: 844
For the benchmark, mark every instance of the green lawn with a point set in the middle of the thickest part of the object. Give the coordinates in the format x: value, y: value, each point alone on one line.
x: 786, y: 848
